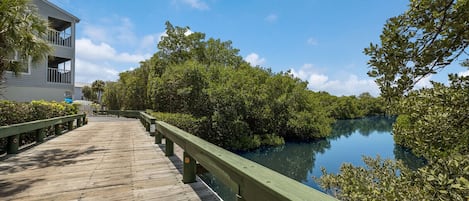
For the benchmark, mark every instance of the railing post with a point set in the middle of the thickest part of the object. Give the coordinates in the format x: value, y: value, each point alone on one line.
x: 152, y: 127
x: 57, y: 129
x: 158, y: 137
x: 70, y: 125
x: 79, y: 122
x: 84, y: 120
x: 169, y: 147
x: 40, y: 134
x: 189, y: 169
x: 13, y: 144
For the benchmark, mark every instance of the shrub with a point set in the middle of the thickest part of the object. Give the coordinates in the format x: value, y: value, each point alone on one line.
x: 272, y: 140
x: 442, y: 179
x: 14, y: 112
x: 185, y: 122
x: 44, y: 110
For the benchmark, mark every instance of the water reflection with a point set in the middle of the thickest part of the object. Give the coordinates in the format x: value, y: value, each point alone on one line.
x: 294, y: 159
x: 365, y: 126
x: 408, y: 158
x: 349, y: 141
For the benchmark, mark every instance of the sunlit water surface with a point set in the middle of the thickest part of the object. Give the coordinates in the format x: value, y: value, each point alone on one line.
x: 349, y: 141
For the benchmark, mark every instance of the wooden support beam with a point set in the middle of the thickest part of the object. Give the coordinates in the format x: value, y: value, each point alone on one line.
x: 189, y: 169
x: 169, y: 147
x: 13, y: 144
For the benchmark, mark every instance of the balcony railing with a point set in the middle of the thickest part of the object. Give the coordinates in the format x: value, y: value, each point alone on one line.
x: 59, y: 38
x: 55, y: 75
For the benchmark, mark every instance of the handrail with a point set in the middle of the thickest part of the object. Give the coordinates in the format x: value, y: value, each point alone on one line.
x: 124, y: 113
x: 149, y: 122
x: 12, y: 132
x: 59, y: 76
x: 60, y: 38
x: 250, y: 180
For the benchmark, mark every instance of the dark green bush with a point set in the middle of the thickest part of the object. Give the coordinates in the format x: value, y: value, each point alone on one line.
x: 185, y: 122
x: 14, y: 112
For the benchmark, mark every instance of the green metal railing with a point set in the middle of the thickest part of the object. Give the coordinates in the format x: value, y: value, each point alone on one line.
x: 13, y: 132
x: 250, y: 180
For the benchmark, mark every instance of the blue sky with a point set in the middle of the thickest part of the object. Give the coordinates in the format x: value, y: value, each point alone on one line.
x: 319, y: 41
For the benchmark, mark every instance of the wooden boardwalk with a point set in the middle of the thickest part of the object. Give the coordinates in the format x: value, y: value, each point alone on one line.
x: 108, y: 159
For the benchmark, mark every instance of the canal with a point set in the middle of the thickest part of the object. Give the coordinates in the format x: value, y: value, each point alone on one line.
x: 349, y: 141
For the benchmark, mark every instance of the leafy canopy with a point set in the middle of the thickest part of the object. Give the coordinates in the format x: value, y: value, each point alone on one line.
x: 425, y: 39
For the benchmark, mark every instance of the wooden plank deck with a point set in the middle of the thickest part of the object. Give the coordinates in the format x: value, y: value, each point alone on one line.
x: 108, y: 159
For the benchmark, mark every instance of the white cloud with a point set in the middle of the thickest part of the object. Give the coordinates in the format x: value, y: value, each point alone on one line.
x: 98, y: 33
x: 149, y: 42
x: 254, y: 59
x: 114, y: 30
x: 196, y: 4
x: 88, y: 50
x: 464, y: 73
x: 88, y: 72
x: 188, y: 32
x: 424, y: 83
x: 311, y: 41
x: 346, y: 86
x: 101, y: 61
x: 271, y: 18
x: 110, y: 46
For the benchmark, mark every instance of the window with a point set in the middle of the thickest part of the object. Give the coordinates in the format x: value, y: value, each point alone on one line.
x: 17, y: 61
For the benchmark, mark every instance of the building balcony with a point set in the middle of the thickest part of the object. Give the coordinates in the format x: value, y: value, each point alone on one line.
x: 59, y: 38
x: 60, y: 32
x: 55, y: 75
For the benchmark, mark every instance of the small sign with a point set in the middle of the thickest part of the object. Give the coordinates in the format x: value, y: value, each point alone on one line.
x: 152, y: 128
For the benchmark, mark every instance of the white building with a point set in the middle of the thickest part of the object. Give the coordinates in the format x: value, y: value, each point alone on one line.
x: 54, y: 78
x: 78, y: 91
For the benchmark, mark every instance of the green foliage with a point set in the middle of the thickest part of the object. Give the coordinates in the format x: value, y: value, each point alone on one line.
x: 434, y: 122
x: 185, y: 122
x: 13, y: 112
x: 271, y: 140
x: 98, y: 87
x: 88, y: 94
x: 429, y: 36
x: 442, y: 179
x: 111, y: 96
x: 45, y: 110
x: 22, y: 31
x: 352, y: 107
x: 237, y: 106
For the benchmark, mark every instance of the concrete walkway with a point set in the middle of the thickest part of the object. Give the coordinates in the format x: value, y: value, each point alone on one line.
x: 108, y: 159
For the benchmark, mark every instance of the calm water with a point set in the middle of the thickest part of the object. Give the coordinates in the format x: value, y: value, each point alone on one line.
x: 350, y: 140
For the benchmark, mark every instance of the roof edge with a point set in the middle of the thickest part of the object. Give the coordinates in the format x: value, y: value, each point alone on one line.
x: 62, y: 10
